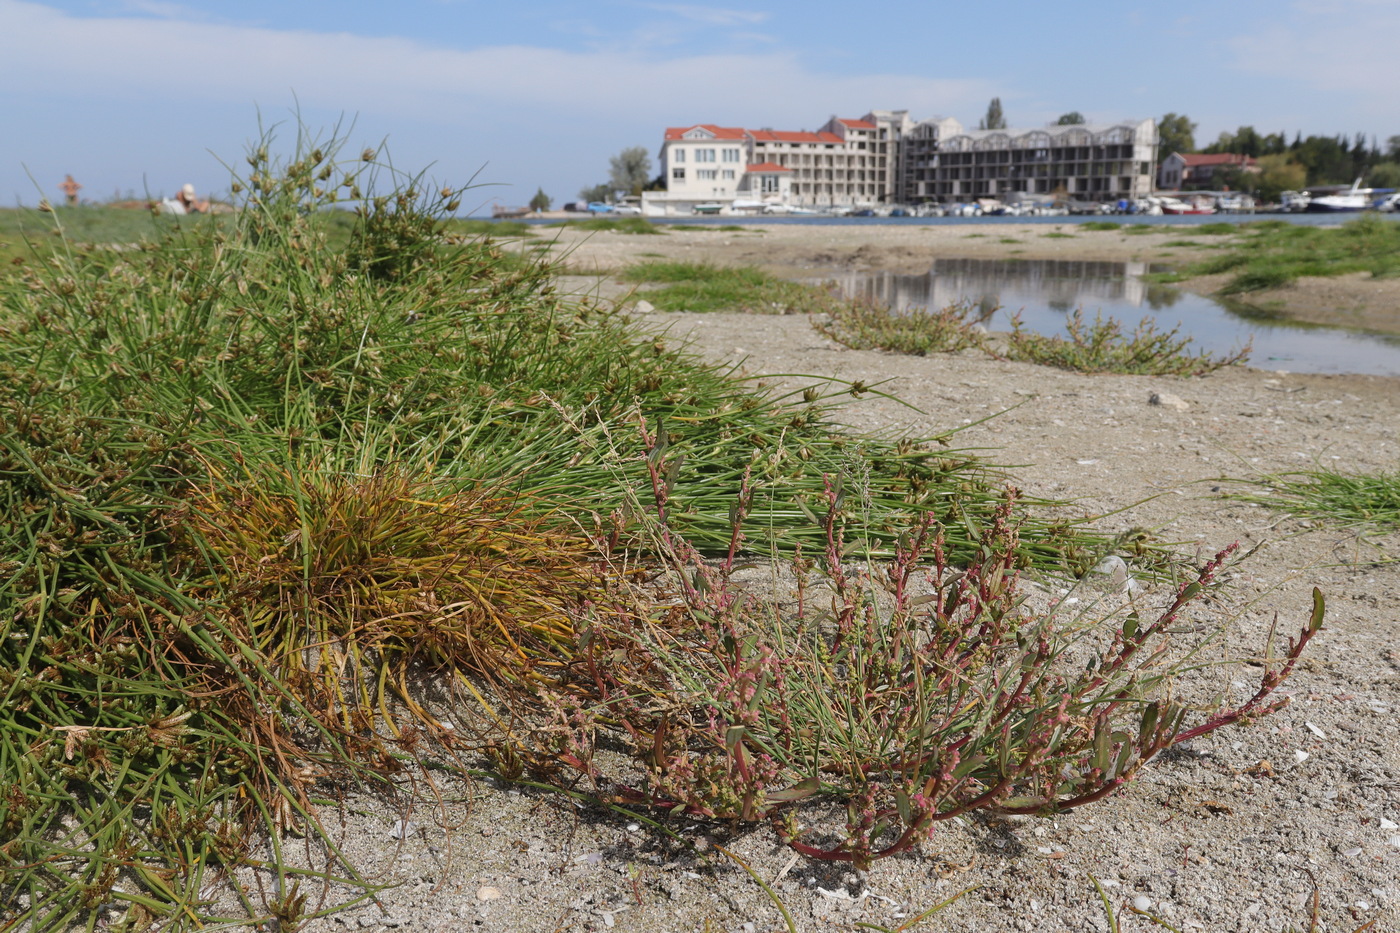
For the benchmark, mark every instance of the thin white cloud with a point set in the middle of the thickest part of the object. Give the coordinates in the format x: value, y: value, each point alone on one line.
x: 170, y: 61
x: 711, y: 16
x: 162, y: 9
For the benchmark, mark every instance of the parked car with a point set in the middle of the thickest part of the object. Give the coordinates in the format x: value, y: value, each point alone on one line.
x: 576, y: 207
x: 599, y: 207
x: 627, y: 210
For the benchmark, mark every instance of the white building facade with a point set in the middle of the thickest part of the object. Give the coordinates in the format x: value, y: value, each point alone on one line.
x: 887, y: 158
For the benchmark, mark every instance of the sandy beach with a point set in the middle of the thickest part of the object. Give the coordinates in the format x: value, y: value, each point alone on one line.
x: 1233, y: 833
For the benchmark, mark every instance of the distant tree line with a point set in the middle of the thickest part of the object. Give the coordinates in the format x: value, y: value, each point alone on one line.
x: 1290, y: 164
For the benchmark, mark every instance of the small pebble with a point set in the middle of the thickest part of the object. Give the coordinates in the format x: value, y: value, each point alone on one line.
x: 488, y: 893
x: 1142, y: 902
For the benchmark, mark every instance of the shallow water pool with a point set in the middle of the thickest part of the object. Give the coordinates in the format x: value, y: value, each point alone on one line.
x: 1046, y: 292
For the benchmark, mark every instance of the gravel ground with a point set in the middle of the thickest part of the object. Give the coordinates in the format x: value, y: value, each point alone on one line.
x: 1233, y: 833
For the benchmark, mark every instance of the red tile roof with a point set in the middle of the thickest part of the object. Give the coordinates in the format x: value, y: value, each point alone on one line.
x: 766, y: 167
x: 720, y: 132
x: 857, y: 124
x: 784, y: 136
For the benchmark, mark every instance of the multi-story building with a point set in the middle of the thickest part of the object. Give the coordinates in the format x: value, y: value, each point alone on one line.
x: 885, y: 157
x: 1086, y: 162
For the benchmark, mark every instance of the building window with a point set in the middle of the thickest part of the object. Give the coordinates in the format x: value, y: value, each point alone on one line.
x: 704, y: 155
x: 678, y: 155
x: 678, y: 174
x: 705, y: 174
x: 731, y: 155
x: 768, y: 184
x: 728, y: 174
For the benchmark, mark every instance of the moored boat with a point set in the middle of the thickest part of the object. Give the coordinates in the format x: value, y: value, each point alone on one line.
x: 1357, y: 199
x: 1193, y: 206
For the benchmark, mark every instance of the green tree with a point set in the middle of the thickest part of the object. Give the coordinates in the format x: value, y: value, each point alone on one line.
x: 1175, y: 133
x: 541, y: 201
x: 1278, y: 173
x: 1073, y: 118
x: 1392, y: 149
x: 1385, y: 175
x: 1243, y: 141
x: 630, y: 170
x: 995, y: 119
x: 601, y: 192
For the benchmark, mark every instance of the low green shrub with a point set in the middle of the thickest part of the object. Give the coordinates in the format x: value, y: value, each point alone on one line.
x: 1103, y: 347
x: 866, y: 325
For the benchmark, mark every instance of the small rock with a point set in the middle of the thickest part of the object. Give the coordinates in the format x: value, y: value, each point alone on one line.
x: 488, y: 893
x: 1142, y: 902
x: 644, y: 307
x: 1167, y: 400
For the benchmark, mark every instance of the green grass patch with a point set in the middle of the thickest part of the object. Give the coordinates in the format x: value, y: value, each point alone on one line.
x: 1057, y: 236
x: 1336, y: 498
x: 1008, y: 239
x: 1140, y: 229
x: 1271, y: 254
x: 1196, y: 244
x: 705, y: 287
x: 495, y: 228
x: 1100, y: 225
x: 1218, y: 228
x: 630, y: 225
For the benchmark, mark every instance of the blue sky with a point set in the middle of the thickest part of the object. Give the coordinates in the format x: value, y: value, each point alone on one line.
x: 144, y: 95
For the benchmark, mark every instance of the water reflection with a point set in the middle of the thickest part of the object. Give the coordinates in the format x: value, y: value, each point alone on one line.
x: 1045, y: 292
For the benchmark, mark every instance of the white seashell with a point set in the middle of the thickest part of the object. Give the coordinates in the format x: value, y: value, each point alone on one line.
x: 1301, y: 756
x: 1142, y: 902
x: 1315, y: 730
